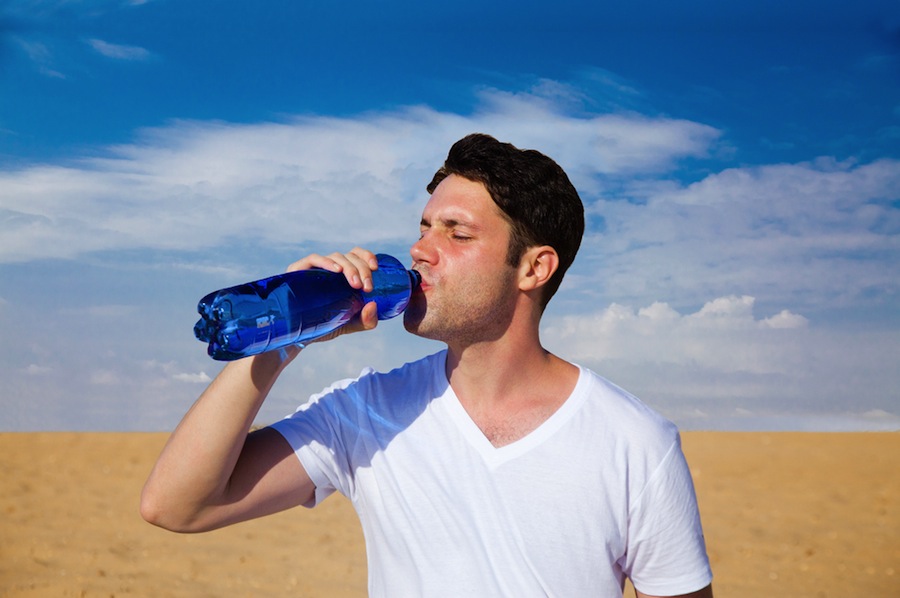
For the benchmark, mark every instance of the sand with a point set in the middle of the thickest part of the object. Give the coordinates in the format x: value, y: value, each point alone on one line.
x: 785, y: 515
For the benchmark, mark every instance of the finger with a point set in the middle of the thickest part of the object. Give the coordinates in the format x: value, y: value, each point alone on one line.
x: 367, y: 256
x: 314, y: 260
x: 357, y: 264
x: 364, y: 266
x: 355, y: 269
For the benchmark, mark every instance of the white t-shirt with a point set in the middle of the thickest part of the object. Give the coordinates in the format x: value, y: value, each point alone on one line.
x: 598, y: 492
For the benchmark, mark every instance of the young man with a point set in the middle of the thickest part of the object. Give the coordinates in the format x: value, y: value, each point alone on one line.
x: 492, y: 468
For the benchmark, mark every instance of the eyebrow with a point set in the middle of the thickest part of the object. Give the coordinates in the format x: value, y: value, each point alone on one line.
x: 450, y: 223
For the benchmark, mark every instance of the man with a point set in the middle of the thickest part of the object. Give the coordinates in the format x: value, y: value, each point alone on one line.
x: 492, y: 468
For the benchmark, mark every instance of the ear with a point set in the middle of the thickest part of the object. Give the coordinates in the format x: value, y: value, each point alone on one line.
x: 537, y: 266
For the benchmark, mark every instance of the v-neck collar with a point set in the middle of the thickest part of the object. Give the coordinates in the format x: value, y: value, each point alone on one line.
x: 496, y: 456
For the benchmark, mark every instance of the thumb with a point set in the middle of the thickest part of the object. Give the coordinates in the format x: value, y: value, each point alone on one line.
x: 368, y: 317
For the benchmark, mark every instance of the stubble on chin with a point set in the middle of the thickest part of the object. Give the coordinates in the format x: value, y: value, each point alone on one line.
x: 427, y: 320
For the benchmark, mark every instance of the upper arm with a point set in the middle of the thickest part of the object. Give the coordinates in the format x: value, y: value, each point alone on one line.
x: 704, y: 593
x: 267, y: 478
x: 666, y: 550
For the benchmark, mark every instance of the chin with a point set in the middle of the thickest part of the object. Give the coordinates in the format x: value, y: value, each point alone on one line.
x: 415, y: 323
x: 412, y: 319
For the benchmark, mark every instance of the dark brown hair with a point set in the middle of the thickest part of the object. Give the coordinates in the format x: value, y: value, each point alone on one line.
x: 535, y: 194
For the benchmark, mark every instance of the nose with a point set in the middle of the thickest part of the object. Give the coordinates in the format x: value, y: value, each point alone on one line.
x: 422, y: 250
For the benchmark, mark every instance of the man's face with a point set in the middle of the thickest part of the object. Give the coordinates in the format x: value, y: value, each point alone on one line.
x: 468, y: 290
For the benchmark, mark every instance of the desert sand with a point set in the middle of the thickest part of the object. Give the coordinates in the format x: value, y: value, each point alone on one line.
x: 784, y: 514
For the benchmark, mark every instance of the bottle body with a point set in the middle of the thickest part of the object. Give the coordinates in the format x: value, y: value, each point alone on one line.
x: 295, y: 307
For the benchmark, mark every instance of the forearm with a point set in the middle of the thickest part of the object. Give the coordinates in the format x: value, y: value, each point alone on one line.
x: 210, y: 472
x: 194, y: 470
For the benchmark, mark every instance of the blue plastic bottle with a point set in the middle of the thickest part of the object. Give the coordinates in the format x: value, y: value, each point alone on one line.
x: 295, y: 307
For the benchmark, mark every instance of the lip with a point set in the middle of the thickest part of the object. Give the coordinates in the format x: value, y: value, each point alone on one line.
x: 424, y: 285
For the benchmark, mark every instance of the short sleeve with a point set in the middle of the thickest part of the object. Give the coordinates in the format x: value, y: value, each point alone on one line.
x: 666, y: 551
x: 316, y: 432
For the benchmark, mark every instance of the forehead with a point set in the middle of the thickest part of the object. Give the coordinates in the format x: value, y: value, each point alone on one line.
x: 460, y: 199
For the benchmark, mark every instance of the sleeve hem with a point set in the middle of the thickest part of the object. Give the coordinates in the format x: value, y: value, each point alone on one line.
x: 309, y: 462
x: 674, y: 587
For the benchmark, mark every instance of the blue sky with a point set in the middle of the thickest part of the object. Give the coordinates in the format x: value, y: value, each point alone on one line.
x: 740, y: 168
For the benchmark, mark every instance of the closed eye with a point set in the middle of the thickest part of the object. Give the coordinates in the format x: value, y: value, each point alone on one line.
x: 455, y: 229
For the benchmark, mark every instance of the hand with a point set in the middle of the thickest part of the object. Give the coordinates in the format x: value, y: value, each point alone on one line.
x: 357, y: 266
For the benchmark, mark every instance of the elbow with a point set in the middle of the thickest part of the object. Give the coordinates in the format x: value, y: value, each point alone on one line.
x: 157, y: 510
x: 154, y: 511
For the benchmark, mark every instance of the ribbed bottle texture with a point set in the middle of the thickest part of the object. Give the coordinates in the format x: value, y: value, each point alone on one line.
x: 295, y: 307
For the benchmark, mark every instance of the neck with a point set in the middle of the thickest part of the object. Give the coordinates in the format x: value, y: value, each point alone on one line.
x: 507, y: 372
x: 509, y: 393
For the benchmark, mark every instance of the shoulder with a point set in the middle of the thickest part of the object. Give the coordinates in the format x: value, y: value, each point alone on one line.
x: 623, y: 423
x: 630, y: 413
x: 372, y: 400
x: 371, y: 380
x: 381, y: 392
x: 423, y: 370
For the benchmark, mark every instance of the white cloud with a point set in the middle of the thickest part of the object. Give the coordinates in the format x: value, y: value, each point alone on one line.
x: 118, y: 51
x: 195, y: 185
x: 104, y: 377
x: 34, y: 369
x: 723, y: 335
x: 712, y: 299
x: 722, y: 357
x: 197, y: 378
x: 604, y: 144
x: 40, y: 55
x: 785, y: 319
x: 819, y: 233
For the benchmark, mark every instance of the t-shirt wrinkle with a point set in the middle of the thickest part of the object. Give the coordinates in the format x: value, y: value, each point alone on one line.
x: 562, y: 511
x: 657, y: 471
